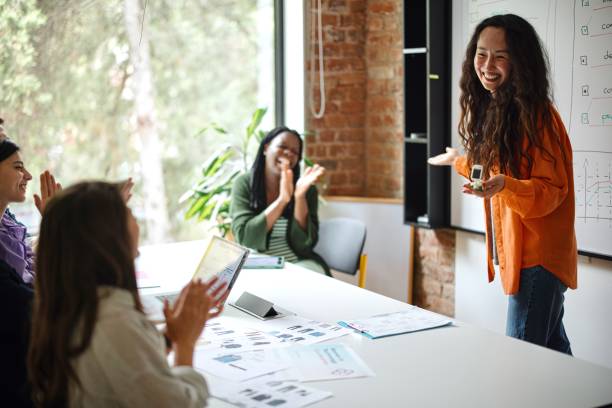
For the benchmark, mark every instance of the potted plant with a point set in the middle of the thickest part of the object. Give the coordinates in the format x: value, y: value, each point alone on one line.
x: 209, y: 197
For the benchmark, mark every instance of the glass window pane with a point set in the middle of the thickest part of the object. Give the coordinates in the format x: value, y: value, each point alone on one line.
x: 92, y: 90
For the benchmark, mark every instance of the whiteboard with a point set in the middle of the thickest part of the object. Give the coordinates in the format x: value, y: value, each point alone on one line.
x: 578, y: 38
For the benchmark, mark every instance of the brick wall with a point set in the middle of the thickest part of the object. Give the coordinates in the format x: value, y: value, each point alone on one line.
x: 337, y: 140
x: 384, y: 106
x: 434, y: 270
x: 359, y: 139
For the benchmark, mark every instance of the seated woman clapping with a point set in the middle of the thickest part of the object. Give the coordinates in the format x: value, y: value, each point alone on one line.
x: 274, y: 208
x: 91, y: 344
x: 16, y: 270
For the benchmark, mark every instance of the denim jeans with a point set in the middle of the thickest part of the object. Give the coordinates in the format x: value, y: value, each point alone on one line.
x: 535, y: 312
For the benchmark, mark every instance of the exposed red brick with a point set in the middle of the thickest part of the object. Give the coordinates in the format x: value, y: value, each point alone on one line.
x: 382, y: 6
x: 358, y: 6
x: 329, y: 19
x: 337, y: 5
x: 360, y: 138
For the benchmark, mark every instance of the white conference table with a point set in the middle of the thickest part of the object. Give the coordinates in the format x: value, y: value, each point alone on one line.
x: 454, y: 366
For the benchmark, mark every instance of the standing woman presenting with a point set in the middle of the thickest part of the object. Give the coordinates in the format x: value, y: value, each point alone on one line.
x: 273, y: 207
x: 508, y: 124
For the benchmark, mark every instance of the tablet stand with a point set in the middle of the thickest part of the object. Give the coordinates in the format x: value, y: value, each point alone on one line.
x: 258, y: 307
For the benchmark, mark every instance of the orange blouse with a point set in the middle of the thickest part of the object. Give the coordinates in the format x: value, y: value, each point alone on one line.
x: 534, y: 218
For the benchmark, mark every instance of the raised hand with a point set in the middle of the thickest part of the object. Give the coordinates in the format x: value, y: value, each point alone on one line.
x: 445, y: 159
x: 125, y: 189
x: 3, y: 135
x: 48, y: 188
x: 310, y: 176
x: 286, y: 182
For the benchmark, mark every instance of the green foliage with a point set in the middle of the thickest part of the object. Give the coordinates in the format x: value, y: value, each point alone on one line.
x: 66, y: 90
x: 18, y: 20
x: 209, y: 198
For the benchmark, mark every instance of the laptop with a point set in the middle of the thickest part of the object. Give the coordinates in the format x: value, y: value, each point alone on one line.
x: 222, y: 258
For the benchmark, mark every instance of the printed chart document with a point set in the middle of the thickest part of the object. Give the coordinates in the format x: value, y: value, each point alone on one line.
x: 391, y: 324
x: 266, y: 393
x: 298, y: 330
x: 232, y: 334
x: 322, y: 362
x: 315, y: 362
x: 235, y: 335
x: 236, y: 367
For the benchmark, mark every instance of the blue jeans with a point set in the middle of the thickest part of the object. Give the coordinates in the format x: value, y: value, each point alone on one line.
x: 535, y: 313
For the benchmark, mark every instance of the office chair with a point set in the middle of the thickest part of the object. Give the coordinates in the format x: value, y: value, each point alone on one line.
x: 341, y: 242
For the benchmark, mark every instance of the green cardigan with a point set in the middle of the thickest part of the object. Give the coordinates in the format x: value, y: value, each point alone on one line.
x: 249, y: 228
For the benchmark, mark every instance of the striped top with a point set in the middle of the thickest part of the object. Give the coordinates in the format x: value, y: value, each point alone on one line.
x: 278, y: 244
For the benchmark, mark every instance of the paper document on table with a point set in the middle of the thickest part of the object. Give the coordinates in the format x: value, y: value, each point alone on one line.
x: 298, y: 330
x: 235, y: 367
x: 322, y: 362
x: 266, y: 393
x: 391, y: 324
x: 232, y: 334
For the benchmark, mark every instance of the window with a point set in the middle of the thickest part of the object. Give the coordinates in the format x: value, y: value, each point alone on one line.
x: 92, y: 90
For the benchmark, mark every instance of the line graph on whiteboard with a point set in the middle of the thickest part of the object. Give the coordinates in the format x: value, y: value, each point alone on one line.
x: 593, y: 187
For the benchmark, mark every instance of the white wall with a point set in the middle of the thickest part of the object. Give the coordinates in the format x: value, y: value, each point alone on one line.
x: 294, y: 65
x: 588, y: 310
x: 387, y: 244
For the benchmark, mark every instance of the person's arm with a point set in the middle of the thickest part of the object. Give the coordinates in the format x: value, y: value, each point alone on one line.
x: 185, y: 319
x: 248, y: 227
x: 307, y: 237
x: 302, y: 187
x: 276, y: 208
x: 130, y: 351
x: 462, y: 166
x: 546, y: 188
x: 300, y: 212
x: 452, y: 158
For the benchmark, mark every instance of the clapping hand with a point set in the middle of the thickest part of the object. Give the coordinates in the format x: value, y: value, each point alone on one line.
x: 310, y: 176
x: 286, y: 182
x: 185, y: 319
x: 3, y: 135
x: 125, y: 188
x: 48, y: 188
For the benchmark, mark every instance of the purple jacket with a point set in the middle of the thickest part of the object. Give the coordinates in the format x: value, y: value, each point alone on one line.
x: 14, y: 250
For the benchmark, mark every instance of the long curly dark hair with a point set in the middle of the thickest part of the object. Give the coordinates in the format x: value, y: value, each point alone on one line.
x: 258, y: 201
x: 501, y: 131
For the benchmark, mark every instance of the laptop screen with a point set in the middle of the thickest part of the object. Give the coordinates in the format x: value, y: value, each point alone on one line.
x: 223, y: 259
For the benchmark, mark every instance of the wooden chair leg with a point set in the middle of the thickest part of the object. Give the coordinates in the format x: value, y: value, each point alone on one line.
x: 363, y: 262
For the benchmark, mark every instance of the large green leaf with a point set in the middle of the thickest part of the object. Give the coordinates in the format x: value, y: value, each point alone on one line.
x: 217, y: 159
x: 255, y: 122
x: 210, y: 195
x: 196, y: 206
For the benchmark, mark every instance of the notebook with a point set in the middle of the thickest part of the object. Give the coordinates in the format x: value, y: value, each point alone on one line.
x: 222, y: 258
